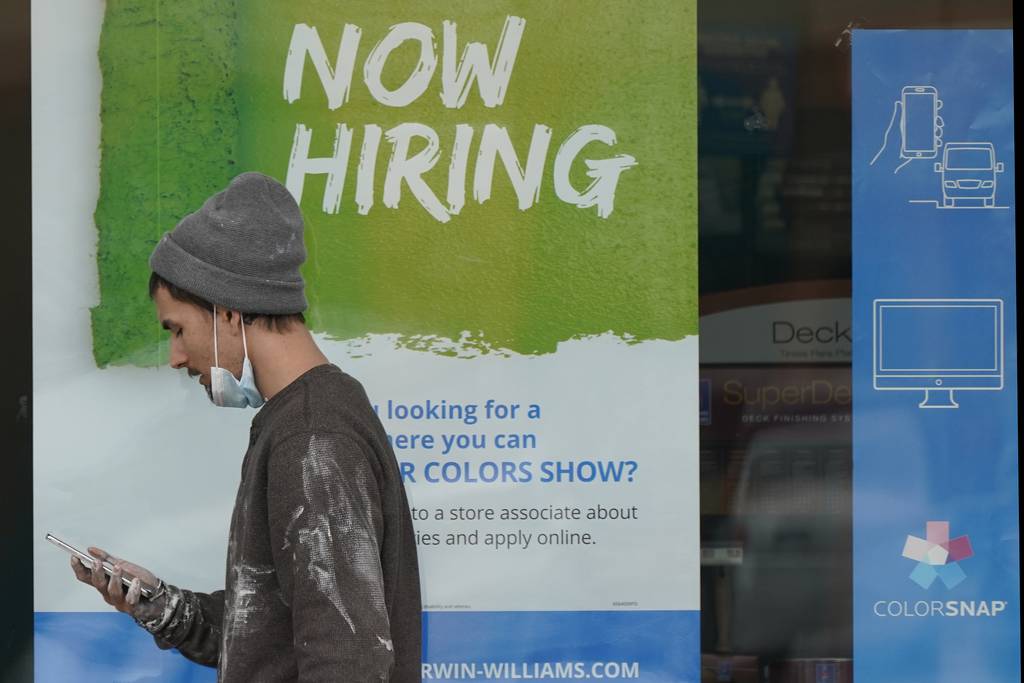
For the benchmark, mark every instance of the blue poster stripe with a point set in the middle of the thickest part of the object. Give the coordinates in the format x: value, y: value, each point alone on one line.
x: 109, y: 647
x: 645, y: 646
x: 665, y: 646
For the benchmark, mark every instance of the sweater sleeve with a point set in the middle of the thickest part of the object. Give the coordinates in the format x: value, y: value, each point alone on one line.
x: 190, y: 622
x: 326, y: 526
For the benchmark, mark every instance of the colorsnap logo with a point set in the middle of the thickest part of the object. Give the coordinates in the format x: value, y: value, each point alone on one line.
x: 938, y: 608
x: 937, y: 556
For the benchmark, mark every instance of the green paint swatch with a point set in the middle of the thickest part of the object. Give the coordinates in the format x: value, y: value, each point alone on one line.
x: 169, y: 139
x: 194, y: 96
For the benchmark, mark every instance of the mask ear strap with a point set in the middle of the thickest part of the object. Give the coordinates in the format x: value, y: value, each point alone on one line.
x: 216, y: 361
x: 245, y: 348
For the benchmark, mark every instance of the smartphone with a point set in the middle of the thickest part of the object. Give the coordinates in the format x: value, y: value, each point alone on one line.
x: 919, y: 122
x: 87, y: 560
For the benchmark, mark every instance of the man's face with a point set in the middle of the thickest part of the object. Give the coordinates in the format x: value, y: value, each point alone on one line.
x: 191, y: 330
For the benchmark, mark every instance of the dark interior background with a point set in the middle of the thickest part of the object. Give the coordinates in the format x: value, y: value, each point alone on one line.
x: 15, y: 345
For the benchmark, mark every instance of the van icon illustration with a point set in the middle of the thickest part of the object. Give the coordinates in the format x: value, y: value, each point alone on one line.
x: 968, y: 174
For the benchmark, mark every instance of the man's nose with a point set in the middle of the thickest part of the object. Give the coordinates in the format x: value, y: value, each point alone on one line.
x: 178, y: 358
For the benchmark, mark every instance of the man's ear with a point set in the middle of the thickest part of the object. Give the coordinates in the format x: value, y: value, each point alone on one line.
x: 229, y: 316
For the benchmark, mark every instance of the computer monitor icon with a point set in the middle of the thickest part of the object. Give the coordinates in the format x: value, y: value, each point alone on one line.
x: 938, y: 346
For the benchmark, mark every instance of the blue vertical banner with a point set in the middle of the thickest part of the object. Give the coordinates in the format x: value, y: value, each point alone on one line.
x: 936, y: 538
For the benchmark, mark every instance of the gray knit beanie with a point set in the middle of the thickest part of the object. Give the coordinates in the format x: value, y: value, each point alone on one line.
x: 242, y: 250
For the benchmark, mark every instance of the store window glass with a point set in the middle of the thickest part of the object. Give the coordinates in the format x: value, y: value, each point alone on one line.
x: 777, y: 336
x: 778, y: 339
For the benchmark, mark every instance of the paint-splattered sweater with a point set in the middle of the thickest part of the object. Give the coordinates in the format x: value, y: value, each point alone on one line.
x: 322, y: 577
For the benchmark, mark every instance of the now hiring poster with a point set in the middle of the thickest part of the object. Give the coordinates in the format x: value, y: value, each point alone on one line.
x: 500, y: 219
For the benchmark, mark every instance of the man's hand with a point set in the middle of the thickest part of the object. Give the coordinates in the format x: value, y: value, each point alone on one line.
x: 111, y: 588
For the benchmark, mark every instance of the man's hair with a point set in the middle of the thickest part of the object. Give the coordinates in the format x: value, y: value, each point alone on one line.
x: 276, y: 323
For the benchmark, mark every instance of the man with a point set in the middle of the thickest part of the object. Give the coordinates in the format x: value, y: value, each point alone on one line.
x: 322, y: 577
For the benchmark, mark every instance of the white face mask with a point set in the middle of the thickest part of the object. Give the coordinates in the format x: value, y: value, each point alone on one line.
x: 225, y: 390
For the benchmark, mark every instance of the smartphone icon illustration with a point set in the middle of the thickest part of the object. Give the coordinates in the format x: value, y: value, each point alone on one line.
x: 920, y: 123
